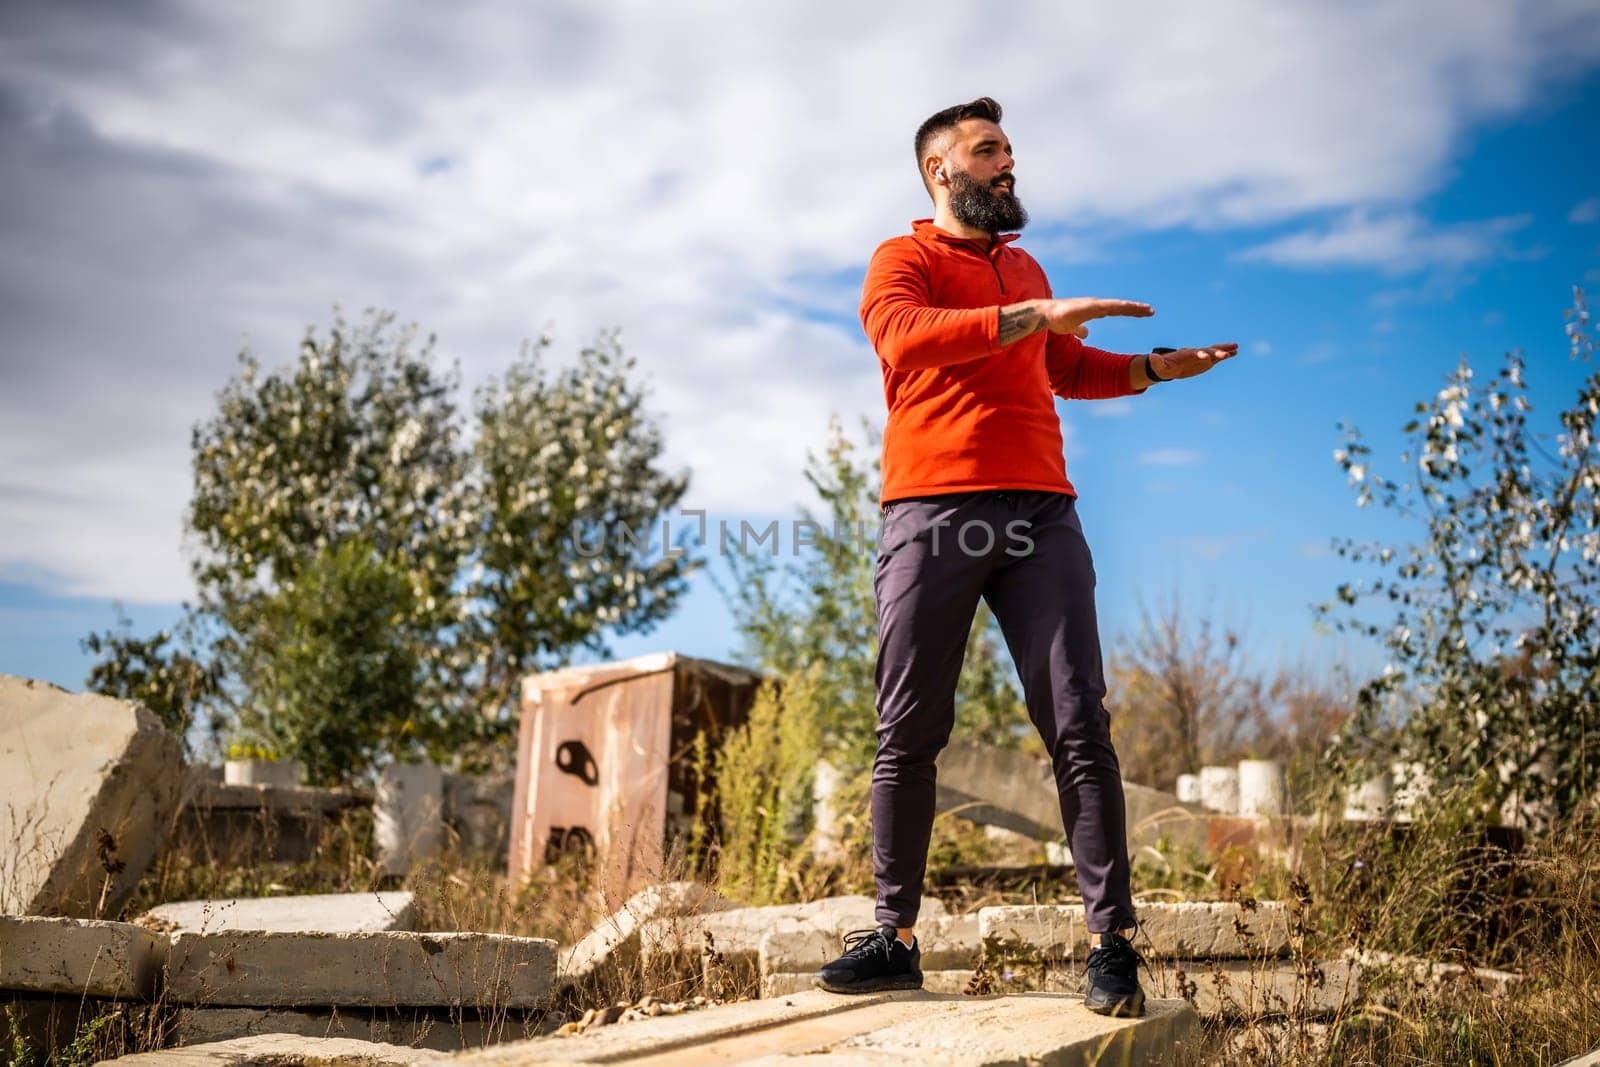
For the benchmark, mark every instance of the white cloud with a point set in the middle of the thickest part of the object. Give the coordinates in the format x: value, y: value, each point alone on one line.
x: 179, y: 177
x: 1394, y: 242
x: 1111, y: 409
x: 1169, y: 457
x: 1585, y: 212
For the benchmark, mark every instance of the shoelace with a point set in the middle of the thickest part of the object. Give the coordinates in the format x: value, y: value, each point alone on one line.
x: 1120, y: 951
x: 859, y: 944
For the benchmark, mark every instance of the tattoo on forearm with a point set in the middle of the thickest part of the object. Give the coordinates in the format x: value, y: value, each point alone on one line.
x: 1018, y: 322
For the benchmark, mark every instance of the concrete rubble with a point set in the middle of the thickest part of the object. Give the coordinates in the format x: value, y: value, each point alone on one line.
x: 82, y: 957
x: 729, y: 957
x: 374, y: 969
x: 614, y: 942
x: 88, y: 787
x: 1017, y: 791
x: 1384, y: 968
x: 280, y: 1050
x: 325, y: 912
x: 244, y: 825
x: 821, y: 1030
x: 1185, y: 930
x: 426, y: 1028
x: 790, y: 954
x: 1230, y: 960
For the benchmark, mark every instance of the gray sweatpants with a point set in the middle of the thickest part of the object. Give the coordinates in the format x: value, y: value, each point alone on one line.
x: 1024, y: 552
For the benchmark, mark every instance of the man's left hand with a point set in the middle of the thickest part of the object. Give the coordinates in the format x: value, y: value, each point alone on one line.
x: 1189, y: 362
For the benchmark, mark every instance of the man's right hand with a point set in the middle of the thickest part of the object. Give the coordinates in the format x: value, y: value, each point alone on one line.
x: 1063, y: 316
x: 1069, y: 316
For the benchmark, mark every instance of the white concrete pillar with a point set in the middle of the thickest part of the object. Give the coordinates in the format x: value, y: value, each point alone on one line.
x: 285, y: 772
x: 1219, y: 789
x: 1261, y: 788
x: 408, y: 815
x: 825, y: 843
x: 1371, y: 799
x: 1189, y: 788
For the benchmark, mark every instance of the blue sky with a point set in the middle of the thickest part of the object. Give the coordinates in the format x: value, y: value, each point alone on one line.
x: 1358, y: 198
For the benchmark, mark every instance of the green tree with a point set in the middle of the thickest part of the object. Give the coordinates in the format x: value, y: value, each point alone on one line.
x: 153, y: 671
x: 358, y: 446
x: 357, y: 441
x: 1489, y: 620
x: 331, y: 663
x: 568, y: 499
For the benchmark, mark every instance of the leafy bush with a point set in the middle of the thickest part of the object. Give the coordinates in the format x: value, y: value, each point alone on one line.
x: 1494, y: 679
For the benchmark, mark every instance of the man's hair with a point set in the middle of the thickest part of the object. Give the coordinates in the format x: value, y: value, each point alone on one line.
x: 985, y: 107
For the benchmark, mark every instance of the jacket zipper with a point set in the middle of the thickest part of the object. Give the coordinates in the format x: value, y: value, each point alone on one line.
x: 990, y: 257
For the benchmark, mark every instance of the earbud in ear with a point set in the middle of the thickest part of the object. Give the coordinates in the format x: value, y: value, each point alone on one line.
x: 939, y: 173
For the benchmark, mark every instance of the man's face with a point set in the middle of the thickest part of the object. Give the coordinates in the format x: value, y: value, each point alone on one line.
x: 978, y: 164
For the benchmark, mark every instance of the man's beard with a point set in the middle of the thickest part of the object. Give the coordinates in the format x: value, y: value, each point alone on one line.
x: 985, y: 207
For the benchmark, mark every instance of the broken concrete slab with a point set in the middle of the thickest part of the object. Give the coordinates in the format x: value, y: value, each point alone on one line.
x: 431, y: 1028
x: 884, y: 1028
x: 783, y: 984
x: 615, y: 941
x: 280, y: 1050
x: 1184, y: 930
x: 88, y: 787
x: 1390, y: 973
x: 327, y: 912
x: 737, y: 932
x: 1016, y: 790
x: 1229, y: 989
x: 372, y: 969
x: 949, y: 942
x: 88, y: 957
x: 242, y: 825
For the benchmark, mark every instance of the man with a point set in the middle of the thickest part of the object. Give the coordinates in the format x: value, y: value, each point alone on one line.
x: 976, y: 501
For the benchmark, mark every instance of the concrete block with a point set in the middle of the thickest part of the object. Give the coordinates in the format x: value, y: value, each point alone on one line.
x: 268, y: 772
x: 615, y: 941
x: 1219, y: 789
x: 327, y: 912
x: 950, y: 942
x: 408, y: 815
x: 1186, y: 930
x: 737, y: 933
x: 443, y: 1030
x: 1261, y: 788
x: 1389, y: 974
x: 816, y: 1028
x: 82, y: 956
x: 1233, y: 989
x: 88, y: 787
x: 781, y: 984
x: 1015, y: 790
x: 282, y: 1049
x: 374, y: 969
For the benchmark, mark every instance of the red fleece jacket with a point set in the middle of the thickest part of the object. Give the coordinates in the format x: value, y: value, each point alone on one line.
x: 964, y: 412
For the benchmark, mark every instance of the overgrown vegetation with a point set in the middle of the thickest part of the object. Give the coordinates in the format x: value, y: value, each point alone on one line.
x: 1490, y: 618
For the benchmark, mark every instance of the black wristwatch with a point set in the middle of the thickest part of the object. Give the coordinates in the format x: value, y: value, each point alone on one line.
x: 1148, y: 371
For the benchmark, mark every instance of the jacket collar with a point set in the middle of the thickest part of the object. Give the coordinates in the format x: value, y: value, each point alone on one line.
x: 927, y: 231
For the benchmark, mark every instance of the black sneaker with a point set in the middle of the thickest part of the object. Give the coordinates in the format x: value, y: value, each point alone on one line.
x: 873, y: 960
x: 1114, y: 978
